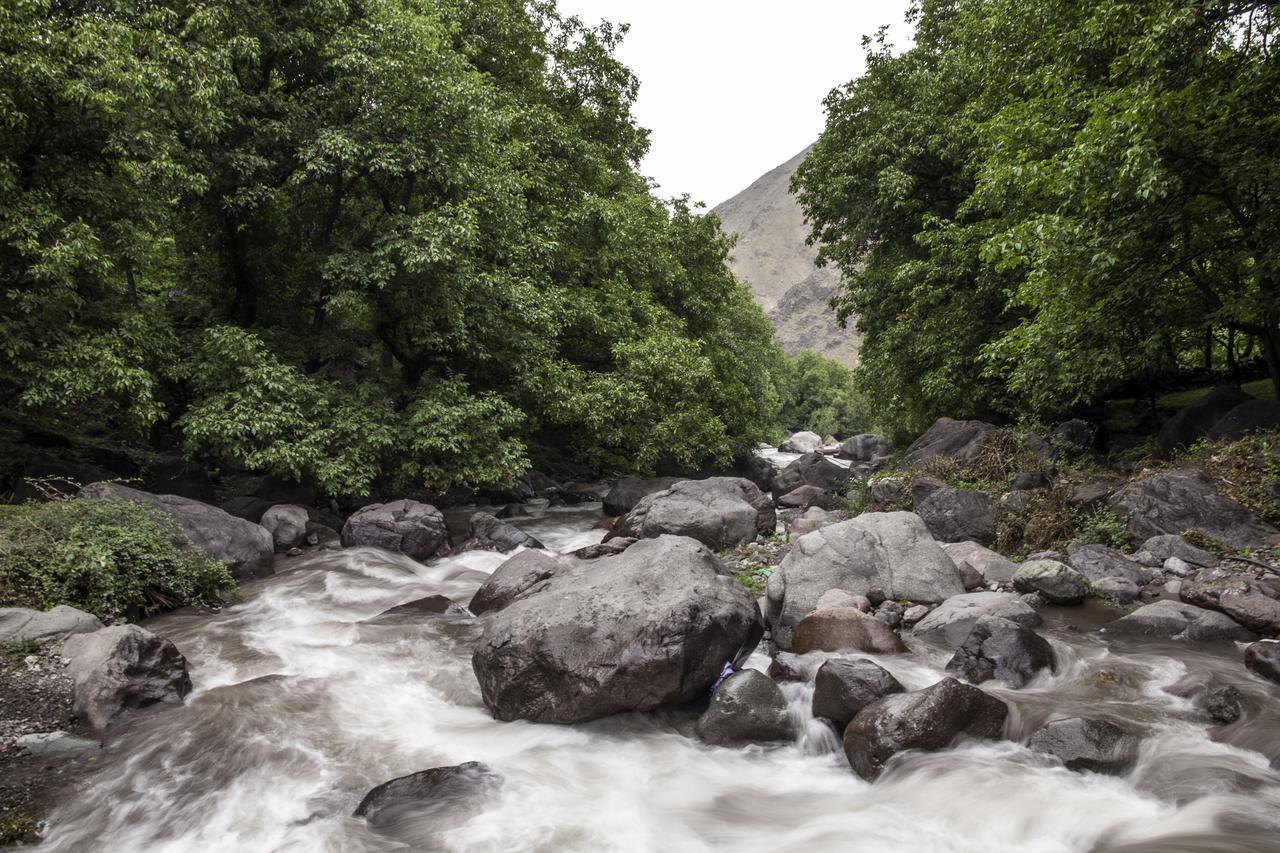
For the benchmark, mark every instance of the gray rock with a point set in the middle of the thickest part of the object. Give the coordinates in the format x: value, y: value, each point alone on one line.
x: 245, y: 547
x: 844, y: 687
x: 55, y: 743
x: 747, y: 707
x: 914, y: 614
x: 1095, y: 745
x: 1173, y: 587
x: 1249, y: 417
x: 987, y: 563
x: 431, y: 605
x: 1057, y: 582
x: 1169, y: 545
x: 628, y: 491
x: 786, y: 666
x: 287, y: 524
x: 517, y: 575
x: 811, y: 469
x: 248, y: 507
x: 22, y: 623
x: 929, y: 719
x: 887, y: 493
x: 1224, y: 705
x: 422, y: 800
x: 719, y: 512
x: 120, y: 668
x: 839, y: 598
x: 807, y: 496
x: 1027, y: 481
x: 1235, y: 595
x: 845, y: 629
x: 1119, y: 590
x: 1177, y: 621
x: 812, y: 519
x: 801, y: 442
x: 488, y: 533
x: 951, y: 622
x: 414, y: 529
x: 650, y: 627
x: 999, y: 648
x: 1183, y: 499
x: 1089, y: 495
x: 1194, y: 422
x: 1096, y: 562
x: 1263, y: 659
x: 865, y: 448
x: 890, y: 613
x: 962, y: 440
x: 890, y: 552
x: 1177, y: 567
x: 955, y: 515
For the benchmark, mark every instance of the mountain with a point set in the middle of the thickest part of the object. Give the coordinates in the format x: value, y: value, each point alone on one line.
x: 772, y: 257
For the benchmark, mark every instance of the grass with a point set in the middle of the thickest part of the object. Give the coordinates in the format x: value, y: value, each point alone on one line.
x: 754, y: 579
x: 17, y: 827
x: 17, y: 649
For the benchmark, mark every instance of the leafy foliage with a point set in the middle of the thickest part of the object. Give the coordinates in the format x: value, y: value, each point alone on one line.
x: 115, y: 559
x: 823, y: 396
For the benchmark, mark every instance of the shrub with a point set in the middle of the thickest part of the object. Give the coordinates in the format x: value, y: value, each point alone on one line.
x: 115, y: 559
x: 1243, y: 469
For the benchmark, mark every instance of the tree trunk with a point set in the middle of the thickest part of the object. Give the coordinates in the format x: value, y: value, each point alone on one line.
x: 1271, y: 351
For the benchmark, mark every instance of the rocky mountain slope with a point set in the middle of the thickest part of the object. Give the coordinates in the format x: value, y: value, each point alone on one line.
x: 773, y: 258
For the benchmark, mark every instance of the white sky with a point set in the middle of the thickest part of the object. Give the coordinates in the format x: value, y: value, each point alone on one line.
x: 731, y: 88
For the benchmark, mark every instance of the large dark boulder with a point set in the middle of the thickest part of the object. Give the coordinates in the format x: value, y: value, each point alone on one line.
x: 123, y: 667
x: 1263, y: 659
x: 955, y: 515
x: 950, y: 623
x: 1000, y: 648
x: 650, y: 627
x: 423, y: 799
x: 1098, y: 746
x: 1174, y: 620
x: 513, y: 578
x: 1193, y: 422
x: 287, y: 524
x: 961, y: 440
x: 1248, y: 417
x: 1235, y: 595
x: 891, y: 553
x: 1097, y: 562
x: 812, y: 469
x: 172, y: 475
x: 929, y: 719
x: 844, y: 629
x: 747, y: 465
x: 801, y: 442
x: 1160, y: 548
x: 807, y: 496
x: 488, y: 533
x: 844, y: 687
x: 628, y: 491
x: 1183, y: 499
x: 747, y: 707
x: 865, y: 448
x: 988, y: 564
x: 407, y: 527
x: 245, y: 547
x: 719, y: 512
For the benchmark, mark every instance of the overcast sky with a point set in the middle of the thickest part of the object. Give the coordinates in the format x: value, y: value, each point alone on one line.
x: 732, y: 88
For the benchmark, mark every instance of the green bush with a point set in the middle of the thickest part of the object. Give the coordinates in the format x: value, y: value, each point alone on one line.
x: 115, y: 559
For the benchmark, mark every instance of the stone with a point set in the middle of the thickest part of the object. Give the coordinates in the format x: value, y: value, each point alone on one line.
x: 807, y: 496
x: 887, y: 493
x: 22, y: 623
x: 889, y: 552
x: 1026, y: 481
x: 1057, y: 582
x: 407, y: 527
x: 839, y: 598
x: 1173, y: 587
x: 1183, y: 499
x: 999, y: 648
x: 1089, y: 495
x: 961, y: 440
x: 245, y: 547
x: 719, y: 512
x: 1224, y: 705
x: 431, y: 605
x: 1118, y: 590
x: 287, y: 524
x: 955, y: 515
x: 1098, y: 746
x: 54, y: 743
x: 890, y: 613
x: 845, y: 629
x: 1177, y: 567
x: 989, y: 565
x: 844, y: 687
x: 970, y: 577
x: 488, y: 533
x: 914, y: 614
x: 786, y: 666
x: 1236, y: 596
x: 1077, y: 436
x: 612, y: 548
x: 428, y: 795
x: 323, y: 537
x: 812, y: 519
x: 1249, y: 417
x: 1263, y: 659
x: 1194, y: 422
x: 929, y: 719
x: 1174, y: 620
x: 866, y: 447
x: 648, y: 628
x: 950, y: 623
x: 801, y: 442
x: 811, y: 469
x: 747, y: 707
x: 628, y: 491
x: 1169, y: 545
x: 121, y: 668
x: 1096, y: 562
x: 516, y: 576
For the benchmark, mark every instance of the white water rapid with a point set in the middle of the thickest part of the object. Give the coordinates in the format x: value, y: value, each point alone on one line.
x: 303, y: 701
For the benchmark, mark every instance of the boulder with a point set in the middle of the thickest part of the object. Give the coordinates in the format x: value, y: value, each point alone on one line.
x: 414, y: 529
x: 287, y: 524
x: 1183, y: 499
x: 245, y: 547
x: 321, y: 536
x: 961, y: 440
x: 887, y: 493
x: 951, y: 622
x: 811, y: 469
x: 21, y: 623
x: 612, y: 548
x: 812, y: 519
x: 1235, y: 595
x: 428, y: 795
x: 750, y: 466
x: 1089, y: 495
x: 913, y: 614
x: 123, y: 667
x: 747, y: 707
x: 516, y: 576
x: 1168, y: 546
x: 955, y: 515
x: 890, y: 613
x: 1249, y: 417
x: 488, y: 533
x: 1028, y: 481
x: 889, y: 552
x: 865, y: 448
x: 1057, y: 582
x: 807, y: 496
x: 844, y: 687
x: 1117, y: 590
x: 169, y: 474
x: 788, y: 667
x: 833, y: 598
x: 1177, y: 621
x: 1193, y: 422
x: 844, y: 629
x: 999, y: 648
x: 54, y: 743
x: 1224, y: 705
x: 719, y: 512
x: 929, y: 719
x: 1263, y: 659
x: 1098, y: 746
x: 628, y: 491
x: 801, y: 442
x: 1096, y: 562
x: 650, y: 627
x: 985, y: 562
x: 431, y: 605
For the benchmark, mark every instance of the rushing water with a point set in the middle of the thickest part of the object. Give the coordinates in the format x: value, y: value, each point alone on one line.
x: 304, y: 700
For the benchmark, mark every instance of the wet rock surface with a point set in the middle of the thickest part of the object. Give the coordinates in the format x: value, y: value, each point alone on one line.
x: 1098, y: 746
x: 844, y: 687
x: 747, y: 707
x: 406, y: 527
x: 435, y: 795
x: 123, y: 667
x: 845, y: 629
x: 1002, y: 649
